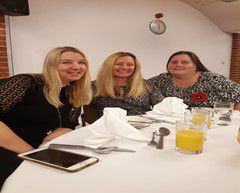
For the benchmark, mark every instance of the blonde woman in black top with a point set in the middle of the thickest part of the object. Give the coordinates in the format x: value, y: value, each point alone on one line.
x: 35, y: 109
x: 120, y: 83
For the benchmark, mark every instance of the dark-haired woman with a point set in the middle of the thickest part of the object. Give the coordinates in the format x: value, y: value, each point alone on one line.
x: 187, y: 78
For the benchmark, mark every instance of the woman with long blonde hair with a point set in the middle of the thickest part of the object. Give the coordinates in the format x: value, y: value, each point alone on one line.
x: 37, y: 108
x: 120, y: 83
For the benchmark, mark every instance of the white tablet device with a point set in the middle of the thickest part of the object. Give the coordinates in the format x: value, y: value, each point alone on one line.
x: 59, y: 159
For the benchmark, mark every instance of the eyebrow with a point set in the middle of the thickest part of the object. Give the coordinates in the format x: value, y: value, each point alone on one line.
x: 83, y: 60
x: 180, y: 60
x: 124, y: 62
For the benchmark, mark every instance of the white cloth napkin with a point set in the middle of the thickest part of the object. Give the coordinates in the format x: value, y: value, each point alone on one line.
x: 170, y: 106
x: 113, y: 124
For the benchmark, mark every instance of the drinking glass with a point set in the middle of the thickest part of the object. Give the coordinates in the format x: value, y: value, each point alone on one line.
x: 205, y: 110
x: 199, y: 120
x: 222, y: 113
x: 189, y: 139
x: 238, y: 138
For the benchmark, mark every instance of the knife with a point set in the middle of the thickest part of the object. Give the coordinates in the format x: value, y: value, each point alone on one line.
x: 157, y: 120
x: 110, y: 148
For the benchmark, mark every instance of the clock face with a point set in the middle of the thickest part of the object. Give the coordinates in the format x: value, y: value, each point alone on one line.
x: 157, y: 26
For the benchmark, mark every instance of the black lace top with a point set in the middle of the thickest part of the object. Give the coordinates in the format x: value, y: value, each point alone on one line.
x: 209, y: 88
x: 134, y: 106
x: 25, y: 110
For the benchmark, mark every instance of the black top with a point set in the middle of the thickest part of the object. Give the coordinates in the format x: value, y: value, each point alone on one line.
x: 210, y: 87
x: 25, y: 110
x: 133, y: 106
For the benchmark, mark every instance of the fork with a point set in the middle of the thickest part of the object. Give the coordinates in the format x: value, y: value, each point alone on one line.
x: 100, y: 150
x: 139, y: 126
x: 154, y: 120
x: 153, y: 142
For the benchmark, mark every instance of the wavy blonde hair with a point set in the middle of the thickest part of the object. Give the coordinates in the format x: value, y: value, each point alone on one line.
x: 78, y: 92
x: 105, y: 78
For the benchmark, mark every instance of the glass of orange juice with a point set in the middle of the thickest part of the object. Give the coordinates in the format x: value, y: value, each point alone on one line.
x: 238, y: 138
x: 199, y: 120
x: 205, y: 110
x: 189, y: 138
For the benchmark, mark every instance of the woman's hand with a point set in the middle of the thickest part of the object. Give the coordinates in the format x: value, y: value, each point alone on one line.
x: 54, y: 134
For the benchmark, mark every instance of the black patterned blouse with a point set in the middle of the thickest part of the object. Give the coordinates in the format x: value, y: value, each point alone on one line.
x: 209, y: 88
x: 25, y: 110
x: 133, y: 106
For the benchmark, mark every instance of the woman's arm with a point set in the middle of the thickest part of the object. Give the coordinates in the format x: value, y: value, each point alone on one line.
x: 13, y: 90
x: 224, y: 88
x: 9, y: 140
x: 55, y: 133
x: 67, y: 126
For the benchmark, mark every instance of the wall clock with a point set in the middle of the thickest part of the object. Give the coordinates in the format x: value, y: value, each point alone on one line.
x: 157, y: 26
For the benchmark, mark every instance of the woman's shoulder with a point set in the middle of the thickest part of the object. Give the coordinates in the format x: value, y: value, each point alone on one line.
x: 23, y: 80
x: 160, y: 76
x: 159, y: 79
x: 212, y: 76
x: 26, y: 77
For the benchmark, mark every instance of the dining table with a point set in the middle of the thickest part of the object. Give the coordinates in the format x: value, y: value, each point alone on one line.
x: 148, y: 170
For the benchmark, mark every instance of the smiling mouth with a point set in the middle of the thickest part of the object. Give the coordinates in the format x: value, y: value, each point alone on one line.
x: 179, y: 69
x: 124, y: 72
x: 75, y: 73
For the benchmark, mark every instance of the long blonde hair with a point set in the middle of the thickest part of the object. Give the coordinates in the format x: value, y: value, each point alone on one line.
x: 105, y: 78
x: 78, y: 92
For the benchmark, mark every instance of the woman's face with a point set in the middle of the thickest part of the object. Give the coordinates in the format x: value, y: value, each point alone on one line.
x: 123, y: 67
x: 181, y: 65
x: 72, y: 67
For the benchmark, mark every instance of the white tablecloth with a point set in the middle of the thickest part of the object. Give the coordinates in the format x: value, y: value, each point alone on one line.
x: 149, y: 170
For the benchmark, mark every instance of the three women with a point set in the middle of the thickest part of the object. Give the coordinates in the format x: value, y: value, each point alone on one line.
x: 37, y: 108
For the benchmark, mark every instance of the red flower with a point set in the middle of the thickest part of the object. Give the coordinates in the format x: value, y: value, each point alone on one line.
x: 199, y: 97
x: 158, y: 15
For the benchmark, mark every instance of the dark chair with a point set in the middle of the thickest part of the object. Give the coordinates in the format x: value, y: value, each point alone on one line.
x: 3, y: 80
x: 89, y: 115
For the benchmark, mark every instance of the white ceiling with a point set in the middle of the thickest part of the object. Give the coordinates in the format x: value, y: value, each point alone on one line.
x: 226, y: 15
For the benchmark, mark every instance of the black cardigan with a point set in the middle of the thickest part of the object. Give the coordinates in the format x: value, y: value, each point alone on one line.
x: 25, y: 110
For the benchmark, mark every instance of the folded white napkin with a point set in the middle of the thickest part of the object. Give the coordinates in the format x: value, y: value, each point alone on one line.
x: 113, y: 124
x: 169, y: 106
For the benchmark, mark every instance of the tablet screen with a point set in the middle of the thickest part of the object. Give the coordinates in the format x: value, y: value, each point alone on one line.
x: 57, y: 157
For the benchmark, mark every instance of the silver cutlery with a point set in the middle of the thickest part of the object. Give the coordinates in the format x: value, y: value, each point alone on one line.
x: 153, y: 142
x: 162, y: 132
x: 139, y: 125
x: 135, y: 122
x: 154, y: 120
x: 100, y: 150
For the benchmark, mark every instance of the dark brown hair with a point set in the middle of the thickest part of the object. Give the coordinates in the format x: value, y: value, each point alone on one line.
x: 199, y: 66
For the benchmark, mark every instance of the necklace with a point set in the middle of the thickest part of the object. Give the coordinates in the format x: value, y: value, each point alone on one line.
x: 121, y: 91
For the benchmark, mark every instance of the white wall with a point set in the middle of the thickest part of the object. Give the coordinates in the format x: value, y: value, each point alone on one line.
x: 101, y: 27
